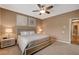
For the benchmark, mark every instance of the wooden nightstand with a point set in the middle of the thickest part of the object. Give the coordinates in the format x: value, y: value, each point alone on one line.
x: 7, y: 42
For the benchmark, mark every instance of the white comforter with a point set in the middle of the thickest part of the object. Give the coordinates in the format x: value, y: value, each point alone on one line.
x: 24, y: 40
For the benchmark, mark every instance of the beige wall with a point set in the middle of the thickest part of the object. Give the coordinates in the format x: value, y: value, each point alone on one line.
x: 0, y: 23
x: 39, y: 25
x: 8, y: 20
x: 58, y: 26
x: 0, y: 16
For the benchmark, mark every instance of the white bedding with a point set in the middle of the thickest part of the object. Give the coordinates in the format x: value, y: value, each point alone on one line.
x: 24, y: 40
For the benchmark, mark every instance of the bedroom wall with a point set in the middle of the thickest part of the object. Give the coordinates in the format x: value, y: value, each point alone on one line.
x: 39, y: 26
x: 0, y: 23
x: 58, y: 26
x: 8, y: 20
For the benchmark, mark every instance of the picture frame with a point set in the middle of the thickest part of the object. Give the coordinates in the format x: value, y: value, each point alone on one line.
x: 32, y: 22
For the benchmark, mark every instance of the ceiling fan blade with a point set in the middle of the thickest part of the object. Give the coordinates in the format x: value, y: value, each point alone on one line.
x: 35, y: 11
x: 47, y: 12
x: 39, y: 5
x: 40, y: 14
x: 42, y: 6
x: 49, y: 7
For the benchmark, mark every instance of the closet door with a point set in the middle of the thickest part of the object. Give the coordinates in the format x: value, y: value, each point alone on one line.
x: 21, y: 20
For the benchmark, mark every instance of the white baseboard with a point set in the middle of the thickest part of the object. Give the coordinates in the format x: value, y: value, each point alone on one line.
x: 64, y: 41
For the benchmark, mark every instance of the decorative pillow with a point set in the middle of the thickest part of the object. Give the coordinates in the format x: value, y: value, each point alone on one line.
x: 25, y: 33
x: 32, y: 32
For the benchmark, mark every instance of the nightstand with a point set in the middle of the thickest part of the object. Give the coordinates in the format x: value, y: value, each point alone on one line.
x: 7, y: 42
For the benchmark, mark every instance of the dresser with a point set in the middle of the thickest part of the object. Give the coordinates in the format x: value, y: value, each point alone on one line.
x: 7, y: 42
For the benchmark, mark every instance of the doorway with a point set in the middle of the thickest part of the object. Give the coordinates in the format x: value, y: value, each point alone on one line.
x: 75, y: 31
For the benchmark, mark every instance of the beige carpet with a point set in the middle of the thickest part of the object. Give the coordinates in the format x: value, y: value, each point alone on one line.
x: 13, y: 50
x: 58, y: 48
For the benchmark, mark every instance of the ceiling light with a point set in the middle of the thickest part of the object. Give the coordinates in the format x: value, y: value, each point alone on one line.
x: 42, y: 11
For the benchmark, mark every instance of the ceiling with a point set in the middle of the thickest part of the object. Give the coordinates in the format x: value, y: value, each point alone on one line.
x: 28, y: 8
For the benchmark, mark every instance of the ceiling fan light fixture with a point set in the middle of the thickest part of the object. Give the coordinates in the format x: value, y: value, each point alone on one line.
x: 42, y: 11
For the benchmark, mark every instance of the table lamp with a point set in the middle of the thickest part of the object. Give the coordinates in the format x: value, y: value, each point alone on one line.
x: 8, y: 32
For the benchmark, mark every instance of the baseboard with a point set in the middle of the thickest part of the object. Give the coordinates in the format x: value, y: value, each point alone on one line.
x: 64, y: 41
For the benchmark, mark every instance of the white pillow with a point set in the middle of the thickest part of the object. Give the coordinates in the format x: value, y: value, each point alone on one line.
x: 32, y: 32
x: 25, y: 33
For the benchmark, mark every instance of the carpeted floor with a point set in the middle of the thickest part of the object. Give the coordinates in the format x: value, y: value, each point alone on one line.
x: 13, y: 50
x: 58, y: 48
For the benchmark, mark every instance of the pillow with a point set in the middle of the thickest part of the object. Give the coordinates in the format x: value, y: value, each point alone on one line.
x: 32, y: 32
x: 24, y: 33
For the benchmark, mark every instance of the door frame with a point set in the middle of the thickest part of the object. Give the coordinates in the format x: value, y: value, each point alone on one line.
x: 70, y: 28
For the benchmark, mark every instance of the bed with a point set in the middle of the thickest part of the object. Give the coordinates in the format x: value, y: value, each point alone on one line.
x: 29, y: 42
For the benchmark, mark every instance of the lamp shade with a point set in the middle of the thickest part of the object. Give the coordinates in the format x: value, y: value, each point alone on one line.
x: 8, y: 30
x: 39, y: 29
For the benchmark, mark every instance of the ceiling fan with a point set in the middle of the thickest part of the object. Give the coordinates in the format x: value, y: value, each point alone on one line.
x: 43, y: 9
